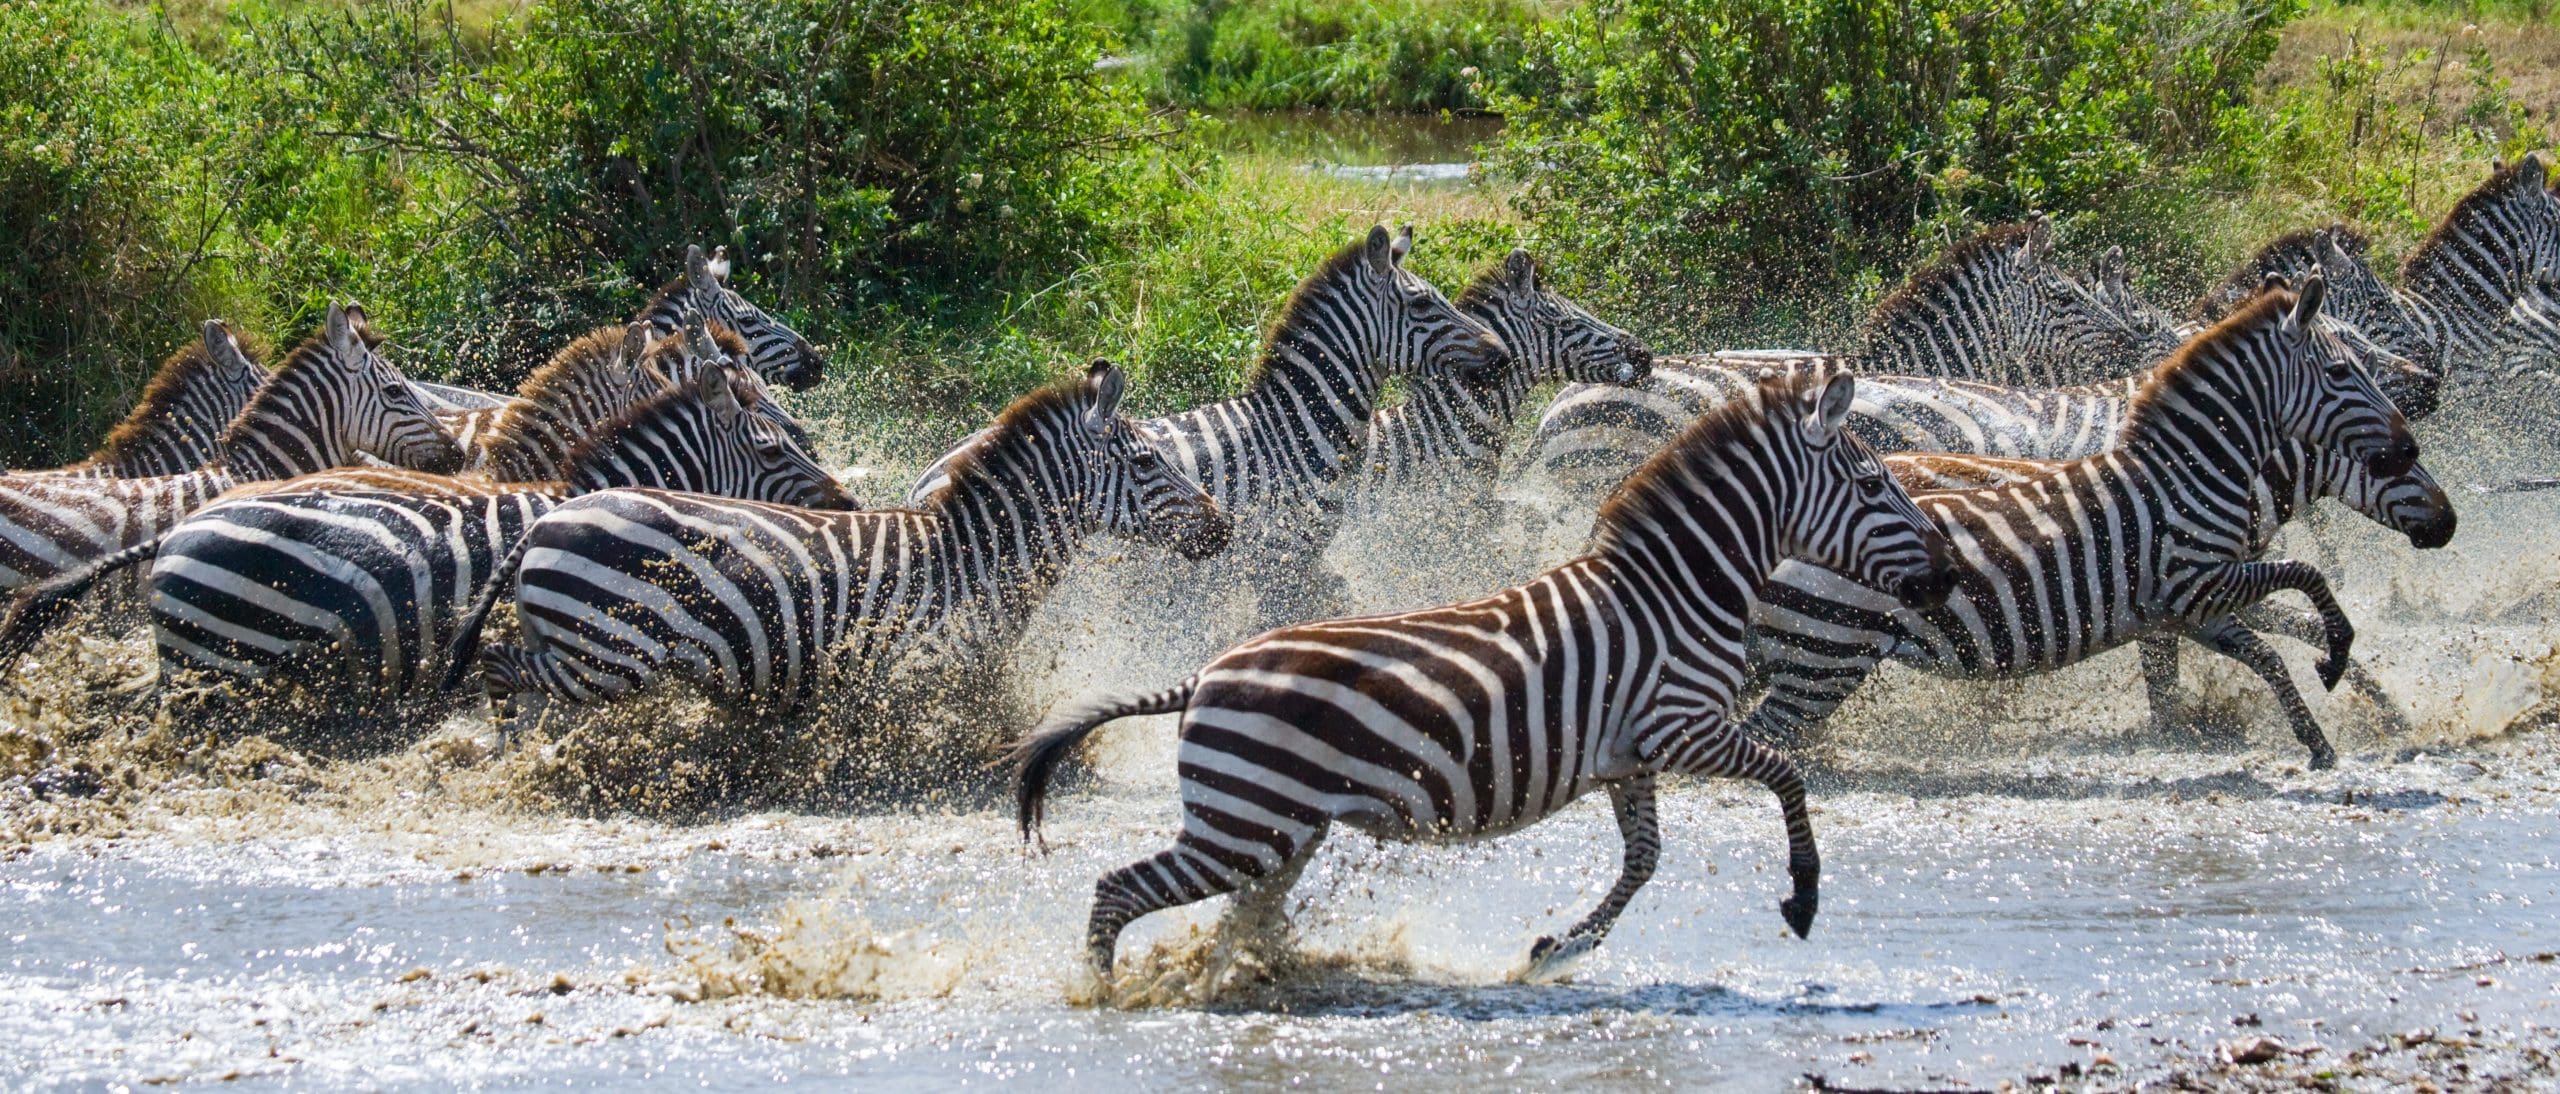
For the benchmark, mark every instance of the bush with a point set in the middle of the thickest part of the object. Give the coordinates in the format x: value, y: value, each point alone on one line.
x: 115, y: 174
x: 1717, y: 152
x: 1381, y: 55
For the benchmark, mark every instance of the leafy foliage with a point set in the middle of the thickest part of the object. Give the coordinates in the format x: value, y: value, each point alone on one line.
x: 1384, y: 55
x: 1719, y: 151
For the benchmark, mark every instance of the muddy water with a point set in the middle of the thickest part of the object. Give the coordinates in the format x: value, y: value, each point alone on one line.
x: 2019, y: 882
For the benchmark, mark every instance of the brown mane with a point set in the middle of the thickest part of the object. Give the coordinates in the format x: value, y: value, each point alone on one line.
x: 1936, y: 275
x: 173, y: 376
x: 1014, y: 416
x: 1651, y: 487
x: 313, y: 348
x: 2502, y: 184
x: 2248, y: 315
x: 1301, y: 300
x: 1486, y: 288
x: 659, y: 404
x: 506, y: 443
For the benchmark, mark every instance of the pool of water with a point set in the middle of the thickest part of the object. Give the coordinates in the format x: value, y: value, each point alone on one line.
x: 1384, y: 148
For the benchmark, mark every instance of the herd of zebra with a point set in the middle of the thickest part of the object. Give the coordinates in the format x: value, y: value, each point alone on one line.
x: 2022, y: 465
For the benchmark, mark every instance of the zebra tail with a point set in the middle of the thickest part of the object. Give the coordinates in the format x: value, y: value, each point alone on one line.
x: 466, y: 636
x: 34, y: 611
x: 1036, y: 757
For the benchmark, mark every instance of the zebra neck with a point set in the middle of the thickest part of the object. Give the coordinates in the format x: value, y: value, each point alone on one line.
x: 281, y: 450
x: 1317, y: 388
x: 999, y: 550
x: 1479, y: 414
x: 2203, y: 428
x: 2460, y: 336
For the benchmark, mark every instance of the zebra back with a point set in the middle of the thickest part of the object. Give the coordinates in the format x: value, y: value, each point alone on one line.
x: 587, y: 383
x: 333, y: 400
x: 774, y: 350
x: 2495, y: 246
x: 1996, y: 308
x: 177, y: 425
x: 1455, y: 425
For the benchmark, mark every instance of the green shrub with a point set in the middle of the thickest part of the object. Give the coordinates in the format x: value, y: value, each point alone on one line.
x: 1383, y: 55
x: 1707, y: 155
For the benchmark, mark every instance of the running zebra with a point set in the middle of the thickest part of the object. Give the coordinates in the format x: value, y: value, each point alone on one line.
x: 1454, y: 426
x: 1276, y: 457
x: 353, y: 596
x: 2410, y: 503
x: 761, y: 604
x: 2497, y: 247
x: 333, y: 402
x: 774, y: 351
x: 177, y: 426
x: 1996, y: 308
x: 1481, y: 718
x: 2158, y: 533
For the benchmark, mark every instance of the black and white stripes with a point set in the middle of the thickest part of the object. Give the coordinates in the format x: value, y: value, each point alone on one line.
x: 1483, y: 717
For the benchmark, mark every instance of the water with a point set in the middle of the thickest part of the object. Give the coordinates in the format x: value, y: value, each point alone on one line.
x: 1420, y: 149
x: 2018, y: 882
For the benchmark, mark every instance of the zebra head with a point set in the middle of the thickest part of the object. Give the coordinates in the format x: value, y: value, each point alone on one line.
x: 2410, y: 503
x: 2498, y: 243
x: 1130, y: 490
x: 703, y: 436
x: 1549, y: 337
x: 2357, y: 295
x: 774, y: 350
x: 1846, y: 513
x: 2100, y: 318
x: 333, y: 399
x: 2324, y: 399
x: 706, y: 344
x: 1410, y: 329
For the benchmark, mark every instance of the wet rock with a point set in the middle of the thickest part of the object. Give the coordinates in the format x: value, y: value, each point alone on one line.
x: 2253, y: 1050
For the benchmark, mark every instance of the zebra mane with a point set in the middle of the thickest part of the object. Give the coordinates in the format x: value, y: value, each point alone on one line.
x: 673, y: 348
x: 176, y: 374
x: 2501, y: 186
x: 1486, y: 289
x: 1061, y: 398
x: 1652, y: 494
x: 1935, y: 277
x: 2288, y: 254
x: 673, y: 401
x: 1302, y: 302
x: 312, y: 353
x: 560, y: 372
x: 2251, y: 315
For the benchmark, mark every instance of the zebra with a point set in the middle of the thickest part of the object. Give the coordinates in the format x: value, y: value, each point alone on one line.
x: 2156, y: 534
x: 2357, y: 295
x: 177, y: 425
x: 1454, y: 426
x: 760, y: 604
x: 353, y: 595
x: 774, y: 351
x: 595, y: 377
x: 1277, y: 457
x: 333, y: 401
x: 2294, y: 477
x: 1995, y: 307
x: 1480, y: 718
x: 2496, y: 247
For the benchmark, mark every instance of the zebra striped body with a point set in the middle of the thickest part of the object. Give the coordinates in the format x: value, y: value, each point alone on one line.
x: 1451, y: 428
x: 1996, y: 308
x: 1276, y: 457
x: 2498, y: 247
x: 2158, y: 533
x: 333, y: 399
x: 177, y: 425
x: 355, y: 593
x: 1480, y: 718
x: 764, y: 603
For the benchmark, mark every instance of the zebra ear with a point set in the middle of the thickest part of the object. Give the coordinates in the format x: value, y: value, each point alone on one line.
x: 218, y: 342
x: 343, y: 340
x: 2534, y: 169
x: 699, y: 344
x: 2306, y: 306
x: 1108, y: 384
x: 1830, y: 409
x: 1380, y: 246
x: 712, y: 384
x: 1522, y: 270
x: 697, y: 269
x: 1402, y: 246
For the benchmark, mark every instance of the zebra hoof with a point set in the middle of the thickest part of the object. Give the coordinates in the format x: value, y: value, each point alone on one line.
x: 2332, y: 669
x: 1551, y: 961
x: 2322, y: 759
x: 1799, y: 912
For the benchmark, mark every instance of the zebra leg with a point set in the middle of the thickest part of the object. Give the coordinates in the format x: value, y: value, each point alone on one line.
x: 2304, y: 627
x: 1711, y: 747
x: 1191, y: 871
x: 2160, y: 681
x: 1632, y: 799
x: 2237, y: 642
x: 2233, y: 586
x: 1257, y: 912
